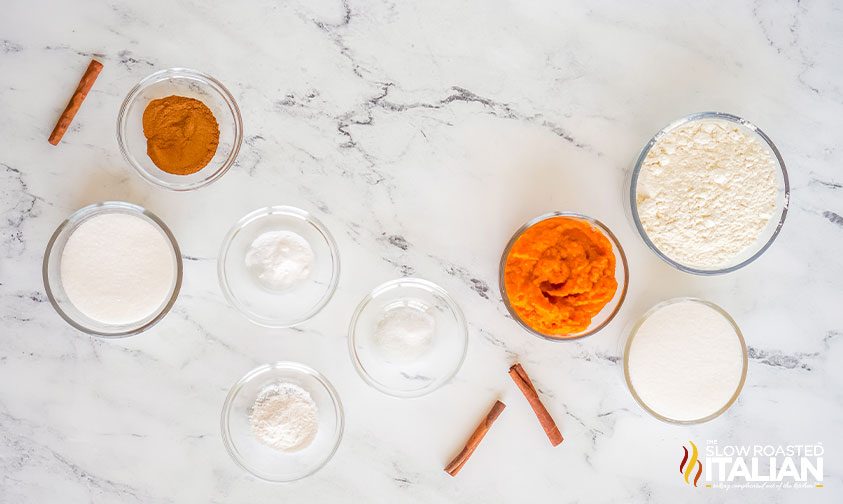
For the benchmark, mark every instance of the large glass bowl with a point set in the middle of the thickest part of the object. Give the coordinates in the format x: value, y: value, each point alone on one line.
x: 263, y: 461
x: 765, y: 239
x: 52, y: 272
x: 190, y: 84
x: 611, y: 308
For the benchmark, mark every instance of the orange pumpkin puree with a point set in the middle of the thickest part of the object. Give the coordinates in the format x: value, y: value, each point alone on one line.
x: 559, y: 274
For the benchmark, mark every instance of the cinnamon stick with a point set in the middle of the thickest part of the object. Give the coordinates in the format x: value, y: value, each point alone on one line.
x: 75, y: 102
x: 459, y: 461
x: 519, y: 376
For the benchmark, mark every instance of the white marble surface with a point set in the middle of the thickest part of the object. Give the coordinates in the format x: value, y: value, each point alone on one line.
x: 422, y: 134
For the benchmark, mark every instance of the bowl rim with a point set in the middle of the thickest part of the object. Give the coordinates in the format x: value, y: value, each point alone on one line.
x: 180, y: 72
x: 594, y: 223
x: 225, y: 431
x: 253, y: 216
x: 389, y: 285
x: 85, y: 213
x: 633, y: 330
x: 639, y: 163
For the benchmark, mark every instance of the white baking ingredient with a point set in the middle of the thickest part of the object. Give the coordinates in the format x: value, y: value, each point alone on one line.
x: 284, y: 417
x: 405, y: 333
x: 117, y: 268
x: 280, y: 259
x: 706, y: 192
x: 685, y: 361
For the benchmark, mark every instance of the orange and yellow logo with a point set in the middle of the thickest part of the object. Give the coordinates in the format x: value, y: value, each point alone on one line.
x: 690, y: 461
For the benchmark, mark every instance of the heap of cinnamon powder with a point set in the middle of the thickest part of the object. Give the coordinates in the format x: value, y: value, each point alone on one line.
x: 182, y: 134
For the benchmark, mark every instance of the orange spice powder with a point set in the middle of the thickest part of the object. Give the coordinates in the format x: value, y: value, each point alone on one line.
x: 559, y: 274
x: 181, y: 133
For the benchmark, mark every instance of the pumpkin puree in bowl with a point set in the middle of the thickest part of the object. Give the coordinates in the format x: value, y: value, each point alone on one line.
x: 559, y: 274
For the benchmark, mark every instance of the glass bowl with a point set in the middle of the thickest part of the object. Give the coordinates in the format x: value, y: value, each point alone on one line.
x: 191, y: 84
x: 633, y: 330
x: 765, y: 239
x: 51, y: 272
x: 263, y: 461
x: 281, y: 308
x: 611, y: 308
x: 423, y: 373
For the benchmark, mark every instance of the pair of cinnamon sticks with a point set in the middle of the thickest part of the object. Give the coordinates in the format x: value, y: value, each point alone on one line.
x: 519, y: 376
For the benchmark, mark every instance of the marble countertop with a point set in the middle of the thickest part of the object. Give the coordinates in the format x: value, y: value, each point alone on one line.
x: 422, y: 134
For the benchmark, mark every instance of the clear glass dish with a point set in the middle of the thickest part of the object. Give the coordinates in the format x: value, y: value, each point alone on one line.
x: 428, y: 371
x: 51, y: 272
x: 611, y: 308
x: 191, y: 84
x: 766, y: 238
x: 285, y: 308
x: 630, y: 336
x: 263, y: 461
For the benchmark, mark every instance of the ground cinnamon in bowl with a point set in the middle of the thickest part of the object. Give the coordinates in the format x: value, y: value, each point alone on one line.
x: 182, y: 134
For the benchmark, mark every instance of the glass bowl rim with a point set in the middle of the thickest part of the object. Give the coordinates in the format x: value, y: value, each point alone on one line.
x: 639, y: 163
x: 177, y: 72
x: 633, y: 330
x: 253, y: 216
x: 297, y: 367
x: 384, y: 287
x: 98, y: 208
x: 594, y: 223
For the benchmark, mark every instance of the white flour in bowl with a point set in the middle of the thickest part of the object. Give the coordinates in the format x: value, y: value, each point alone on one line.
x: 284, y: 417
x: 706, y: 192
x: 685, y: 361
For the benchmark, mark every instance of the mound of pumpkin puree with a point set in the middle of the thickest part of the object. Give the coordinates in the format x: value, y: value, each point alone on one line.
x: 559, y: 274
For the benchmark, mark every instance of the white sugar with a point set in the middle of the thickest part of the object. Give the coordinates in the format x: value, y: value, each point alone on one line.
x: 685, y: 361
x: 117, y: 268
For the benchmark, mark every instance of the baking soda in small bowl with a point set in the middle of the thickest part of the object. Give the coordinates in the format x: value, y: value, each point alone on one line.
x: 280, y: 259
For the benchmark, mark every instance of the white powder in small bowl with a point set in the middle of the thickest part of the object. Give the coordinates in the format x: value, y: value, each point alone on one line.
x: 284, y: 417
x: 280, y: 259
x: 405, y: 333
x: 117, y: 268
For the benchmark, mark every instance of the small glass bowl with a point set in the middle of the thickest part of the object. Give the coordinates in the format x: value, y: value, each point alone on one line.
x: 765, y: 239
x: 292, y: 306
x: 263, y: 461
x: 608, y: 312
x: 428, y: 371
x: 633, y: 329
x: 51, y: 272
x: 191, y: 84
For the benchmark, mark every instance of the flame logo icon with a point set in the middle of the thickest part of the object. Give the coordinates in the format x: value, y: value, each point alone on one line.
x: 687, y: 466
